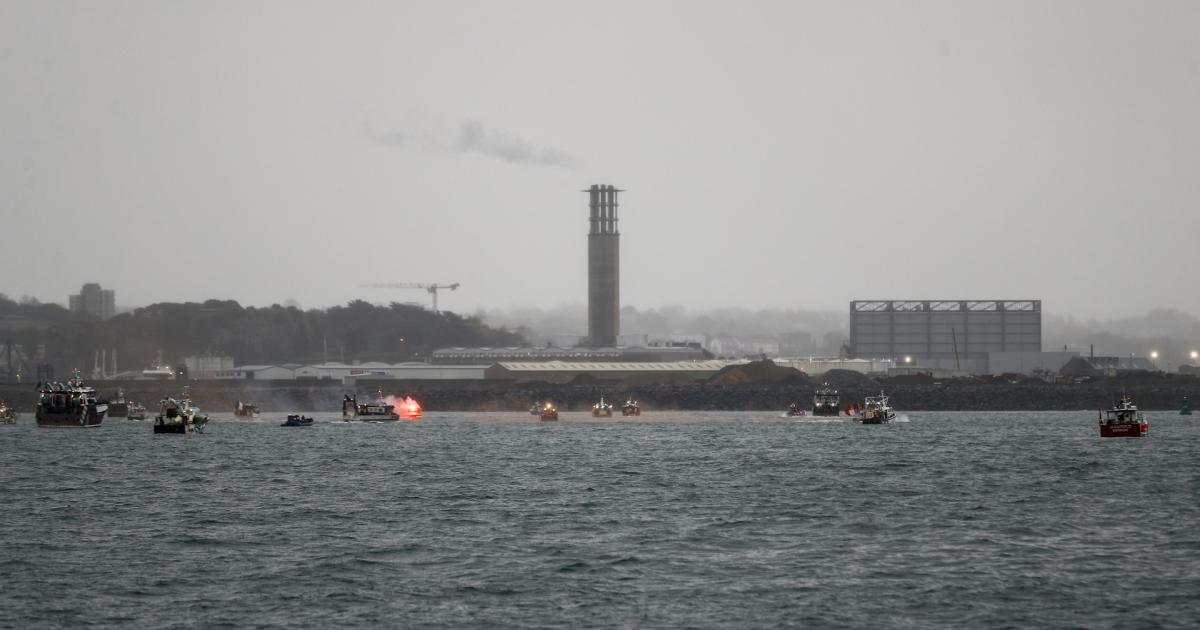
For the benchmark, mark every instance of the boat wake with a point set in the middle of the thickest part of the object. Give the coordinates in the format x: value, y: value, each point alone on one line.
x: 901, y: 418
x: 816, y: 419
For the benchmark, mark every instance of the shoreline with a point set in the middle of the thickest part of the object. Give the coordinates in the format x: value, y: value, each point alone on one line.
x: 1160, y: 394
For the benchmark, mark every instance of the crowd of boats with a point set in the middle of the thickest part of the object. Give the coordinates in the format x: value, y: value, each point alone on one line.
x: 547, y: 410
x: 73, y: 404
x: 827, y: 404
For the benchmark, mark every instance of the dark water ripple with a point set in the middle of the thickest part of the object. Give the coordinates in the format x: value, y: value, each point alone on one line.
x: 735, y: 519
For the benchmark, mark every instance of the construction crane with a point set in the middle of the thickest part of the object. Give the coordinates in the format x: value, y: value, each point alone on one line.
x: 430, y: 287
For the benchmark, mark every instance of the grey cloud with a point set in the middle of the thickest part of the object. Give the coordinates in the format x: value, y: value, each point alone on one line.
x: 474, y: 137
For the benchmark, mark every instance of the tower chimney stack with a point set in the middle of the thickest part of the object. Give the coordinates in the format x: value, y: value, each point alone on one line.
x: 604, y: 266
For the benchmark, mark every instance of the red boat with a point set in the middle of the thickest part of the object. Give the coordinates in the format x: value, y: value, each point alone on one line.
x: 631, y: 408
x: 1123, y: 420
x: 245, y: 410
x: 547, y: 411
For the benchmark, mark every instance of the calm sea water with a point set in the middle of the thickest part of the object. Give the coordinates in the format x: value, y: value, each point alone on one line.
x: 1003, y: 520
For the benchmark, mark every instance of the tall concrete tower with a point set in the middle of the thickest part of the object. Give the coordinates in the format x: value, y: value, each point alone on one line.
x: 604, y: 267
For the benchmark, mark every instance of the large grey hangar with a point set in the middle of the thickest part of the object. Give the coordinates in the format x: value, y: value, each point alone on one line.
x: 948, y: 334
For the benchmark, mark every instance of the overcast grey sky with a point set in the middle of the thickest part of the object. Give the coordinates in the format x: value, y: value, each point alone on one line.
x: 790, y: 154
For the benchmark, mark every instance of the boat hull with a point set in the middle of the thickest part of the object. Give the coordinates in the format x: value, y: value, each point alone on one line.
x: 72, y: 419
x: 631, y: 412
x: 549, y: 417
x: 877, y: 418
x: 173, y: 427
x: 1125, y: 430
x: 373, y: 418
x: 826, y: 411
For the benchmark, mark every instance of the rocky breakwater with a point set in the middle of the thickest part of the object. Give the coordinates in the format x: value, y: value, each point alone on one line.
x: 757, y: 386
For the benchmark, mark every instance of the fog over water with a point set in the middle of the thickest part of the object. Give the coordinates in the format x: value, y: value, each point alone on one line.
x: 779, y: 155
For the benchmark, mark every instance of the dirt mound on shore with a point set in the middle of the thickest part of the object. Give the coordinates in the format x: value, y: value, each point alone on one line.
x: 764, y: 371
x: 847, y: 378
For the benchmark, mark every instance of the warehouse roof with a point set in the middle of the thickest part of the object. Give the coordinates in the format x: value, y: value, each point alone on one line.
x: 609, y: 366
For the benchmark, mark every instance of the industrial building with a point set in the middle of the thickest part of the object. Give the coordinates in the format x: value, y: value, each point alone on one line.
x: 945, y: 334
x: 1096, y: 367
x: 460, y: 356
x: 563, y: 372
x: 348, y: 374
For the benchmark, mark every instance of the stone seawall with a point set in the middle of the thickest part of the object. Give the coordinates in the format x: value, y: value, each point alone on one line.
x: 1165, y: 393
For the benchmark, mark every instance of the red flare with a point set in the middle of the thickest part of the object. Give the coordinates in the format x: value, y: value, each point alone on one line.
x: 407, y: 407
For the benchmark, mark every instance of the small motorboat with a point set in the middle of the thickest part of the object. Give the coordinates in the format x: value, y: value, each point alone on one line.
x: 631, y: 408
x: 295, y: 420
x: 1123, y: 420
x: 548, y: 411
x: 794, y: 411
x: 137, y: 411
x: 1186, y: 410
x: 875, y: 410
x: 602, y: 409
x: 7, y: 414
x: 245, y: 410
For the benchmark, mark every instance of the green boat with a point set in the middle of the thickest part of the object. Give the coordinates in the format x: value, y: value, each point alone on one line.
x: 1187, y: 409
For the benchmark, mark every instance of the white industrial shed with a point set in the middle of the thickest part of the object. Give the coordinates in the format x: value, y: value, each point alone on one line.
x: 561, y: 371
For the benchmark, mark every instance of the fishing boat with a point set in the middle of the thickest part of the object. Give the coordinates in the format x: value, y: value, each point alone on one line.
x: 547, y: 411
x: 875, y: 410
x: 1123, y: 420
x: 631, y: 408
x: 1186, y: 410
x: 180, y: 416
x: 826, y: 402
x: 118, y: 407
x: 377, y: 410
x: 69, y: 404
x: 245, y: 410
x: 7, y: 414
x: 794, y: 411
x: 297, y: 421
x: 602, y: 409
x: 137, y: 411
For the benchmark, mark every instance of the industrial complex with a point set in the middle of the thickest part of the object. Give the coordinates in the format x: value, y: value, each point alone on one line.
x: 937, y: 337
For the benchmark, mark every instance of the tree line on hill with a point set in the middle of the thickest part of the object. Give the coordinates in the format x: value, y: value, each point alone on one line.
x: 358, y: 331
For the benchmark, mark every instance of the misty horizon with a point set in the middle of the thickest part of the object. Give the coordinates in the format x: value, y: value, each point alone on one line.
x: 800, y: 155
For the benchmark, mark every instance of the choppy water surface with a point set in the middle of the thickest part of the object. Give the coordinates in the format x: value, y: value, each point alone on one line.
x: 714, y: 519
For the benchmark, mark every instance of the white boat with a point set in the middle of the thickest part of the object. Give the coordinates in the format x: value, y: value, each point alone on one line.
x: 876, y: 410
x: 602, y: 409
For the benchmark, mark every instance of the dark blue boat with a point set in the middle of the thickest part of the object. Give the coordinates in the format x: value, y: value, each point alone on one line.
x: 297, y: 421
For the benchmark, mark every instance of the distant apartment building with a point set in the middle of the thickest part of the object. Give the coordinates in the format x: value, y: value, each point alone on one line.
x: 92, y: 299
